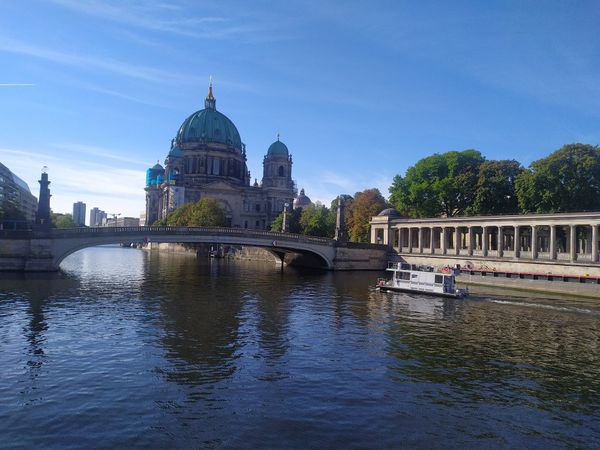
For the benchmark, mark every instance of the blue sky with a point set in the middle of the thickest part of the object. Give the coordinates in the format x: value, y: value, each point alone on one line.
x: 359, y: 91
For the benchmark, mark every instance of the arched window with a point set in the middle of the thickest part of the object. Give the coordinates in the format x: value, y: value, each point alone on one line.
x: 281, y: 171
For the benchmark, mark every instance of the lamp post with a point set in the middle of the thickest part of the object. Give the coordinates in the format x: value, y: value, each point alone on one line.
x: 284, y: 224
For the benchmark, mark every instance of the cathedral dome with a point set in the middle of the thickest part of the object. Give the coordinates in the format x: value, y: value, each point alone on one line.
x: 209, y: 125
x: 277, y: 148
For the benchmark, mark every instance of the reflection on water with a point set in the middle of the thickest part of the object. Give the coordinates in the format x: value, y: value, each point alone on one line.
x: 130, y: 349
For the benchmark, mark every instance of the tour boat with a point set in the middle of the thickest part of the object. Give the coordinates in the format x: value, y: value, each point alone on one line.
x: 422, y: 280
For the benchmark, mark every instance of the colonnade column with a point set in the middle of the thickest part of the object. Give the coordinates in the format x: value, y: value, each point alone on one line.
x: 573, y: 242
x: 431, y: 240
x: 420, y: 239
x: 457, y: 239
x: 517, y: 242
x: 484, y: 244
x: 552, y: 242
x: 594, y: 243
x: 500, y: 242
x: 409, y: 240
x: 471, y: 236
x: 444, y: 241
x: 534, y: 247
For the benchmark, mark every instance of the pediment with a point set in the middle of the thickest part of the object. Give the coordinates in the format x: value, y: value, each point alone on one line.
x: 220, y: 185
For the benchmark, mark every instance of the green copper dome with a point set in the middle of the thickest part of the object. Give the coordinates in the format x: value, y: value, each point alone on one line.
x: 209, y: 125
x: 278, y: 148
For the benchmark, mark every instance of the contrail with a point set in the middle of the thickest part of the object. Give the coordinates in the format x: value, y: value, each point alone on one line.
x: 15, y: 84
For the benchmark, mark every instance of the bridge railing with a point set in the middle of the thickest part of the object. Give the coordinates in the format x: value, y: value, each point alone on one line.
x: 213, y: 231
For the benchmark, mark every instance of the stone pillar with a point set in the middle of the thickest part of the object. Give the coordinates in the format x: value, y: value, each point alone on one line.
x: 517, y: 242
x: 386, y: 236
x: 444, y: 242
x: 471, y: 238
x: 431, y: 240
x: 409, y: 240
x: 573, y: 242
x: 552, y: 242
x: 500, y: 242
x: 457, y: 243
x: 486, y: 238
x: 594, y: 243
x: 420, y: 239
x: 373, y: 235
x: 534, y: 246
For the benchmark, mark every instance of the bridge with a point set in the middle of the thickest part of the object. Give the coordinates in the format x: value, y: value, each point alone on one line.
x: 43, y: 250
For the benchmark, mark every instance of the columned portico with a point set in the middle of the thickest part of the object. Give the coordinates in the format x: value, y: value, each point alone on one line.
x: 569, y: 237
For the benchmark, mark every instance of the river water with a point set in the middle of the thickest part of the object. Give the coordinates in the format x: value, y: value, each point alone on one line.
x: 127, y: 349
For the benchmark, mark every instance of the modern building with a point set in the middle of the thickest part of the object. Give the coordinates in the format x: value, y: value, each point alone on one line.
x: 79, y: 214
x: 207, y: 159
x: 122, y: 222
x: 14, y: 192
x: 97, y: 217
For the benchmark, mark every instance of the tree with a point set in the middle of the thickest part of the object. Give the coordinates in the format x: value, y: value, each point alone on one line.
x: 206, y: 212
x: 566, y: 180
x: 59, y: 220
x: 293, y: 221
x: 495, y: 190
x: 359, y: 212
x: 315, y: 220
x: 439, y: 185
x: 10, y: 211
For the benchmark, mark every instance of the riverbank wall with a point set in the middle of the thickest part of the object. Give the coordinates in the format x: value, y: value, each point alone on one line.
x: 575, y: 279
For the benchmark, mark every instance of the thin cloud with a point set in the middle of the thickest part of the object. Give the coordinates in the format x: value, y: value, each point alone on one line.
x: 17, y: 84
x: 101, y: 152
x: 161, y: 17
x: 72, y: 179
x: 106, y: 64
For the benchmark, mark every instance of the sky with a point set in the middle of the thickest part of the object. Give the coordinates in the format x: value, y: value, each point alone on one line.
x: 358, y: 90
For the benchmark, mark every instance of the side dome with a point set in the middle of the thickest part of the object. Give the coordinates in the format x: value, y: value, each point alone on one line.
x: 278, y: 148
x: 390, y: 212
x: 209, y: 125
x: 301, y: 200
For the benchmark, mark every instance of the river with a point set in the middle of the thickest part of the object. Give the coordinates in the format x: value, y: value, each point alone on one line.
x: 130, y: 349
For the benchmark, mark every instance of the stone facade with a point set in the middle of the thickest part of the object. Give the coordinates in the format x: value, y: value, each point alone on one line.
x: 208, y: 160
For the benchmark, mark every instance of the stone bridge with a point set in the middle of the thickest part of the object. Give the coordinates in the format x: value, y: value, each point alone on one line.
x: 43, y: 250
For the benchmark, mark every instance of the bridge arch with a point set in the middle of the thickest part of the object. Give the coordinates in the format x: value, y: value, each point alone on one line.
x: 67, y: 242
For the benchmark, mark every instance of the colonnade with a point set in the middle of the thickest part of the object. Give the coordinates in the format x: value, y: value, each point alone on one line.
x: 551, y: 240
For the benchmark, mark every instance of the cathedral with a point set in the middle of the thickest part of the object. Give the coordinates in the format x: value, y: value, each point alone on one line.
x: 208, y: 160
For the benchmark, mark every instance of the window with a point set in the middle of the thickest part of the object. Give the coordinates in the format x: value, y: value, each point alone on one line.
x: 257, y: 224
x: 281, y: 171
x: 439, y: 279
x: 257, y: 207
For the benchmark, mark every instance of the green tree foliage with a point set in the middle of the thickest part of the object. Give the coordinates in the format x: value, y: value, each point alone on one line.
x: 293, y: 222
x: 58, y: 220
x: 316, y: 220
x: 10, y: 211
x: 566, y: 180
x: 495, y: 190
x: 365, y: 205
x: 439, y: 185
x: 204, y: 213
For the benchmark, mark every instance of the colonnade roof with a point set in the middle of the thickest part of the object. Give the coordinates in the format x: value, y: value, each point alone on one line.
x: 576, y: 218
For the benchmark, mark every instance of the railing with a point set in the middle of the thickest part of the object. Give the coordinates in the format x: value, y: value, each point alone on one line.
x: 183, y: 231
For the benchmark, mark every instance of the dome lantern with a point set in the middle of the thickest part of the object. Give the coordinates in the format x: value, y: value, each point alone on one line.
x: 210, y: 102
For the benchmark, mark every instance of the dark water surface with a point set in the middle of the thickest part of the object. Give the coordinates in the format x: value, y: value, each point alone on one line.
x: 126, y: 349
